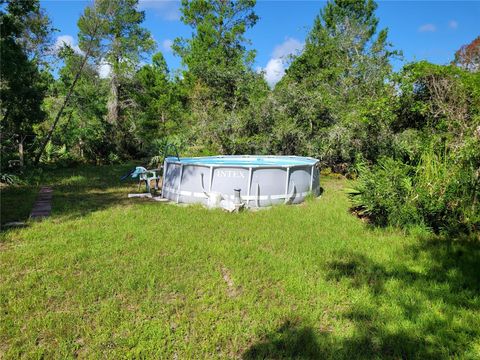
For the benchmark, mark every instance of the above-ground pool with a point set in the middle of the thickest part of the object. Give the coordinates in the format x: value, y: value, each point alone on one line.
x: 262, y: 180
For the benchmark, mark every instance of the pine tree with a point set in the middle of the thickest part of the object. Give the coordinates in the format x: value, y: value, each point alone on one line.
x: 336, y: 94
x: 216, y: 56
x: 122, y: 42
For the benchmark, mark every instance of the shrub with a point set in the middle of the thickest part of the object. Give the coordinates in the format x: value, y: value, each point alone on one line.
x: 10, y: 179
x: 382, y: 192
x: 57, y: 156
x: 408, y: 144
x: 439, y: 192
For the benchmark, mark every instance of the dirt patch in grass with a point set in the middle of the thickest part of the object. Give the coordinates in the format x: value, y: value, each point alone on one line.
x: 232, y: 290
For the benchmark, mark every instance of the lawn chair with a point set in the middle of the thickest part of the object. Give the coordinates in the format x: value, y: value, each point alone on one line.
x: 147, y: 176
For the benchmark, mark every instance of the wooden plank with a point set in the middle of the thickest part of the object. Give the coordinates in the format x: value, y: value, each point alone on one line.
x: 43, y: 205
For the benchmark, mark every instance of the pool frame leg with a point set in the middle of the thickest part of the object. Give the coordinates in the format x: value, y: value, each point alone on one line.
x: 287, y: 181
x: 250, y: 174
x: 179, y: 183
x: 163, y: 178
x: 311, y: 178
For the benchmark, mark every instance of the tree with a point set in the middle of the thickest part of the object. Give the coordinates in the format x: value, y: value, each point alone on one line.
x: 336, y: 93
x: 23, y: 85
x: 158, y: 101
x: 468, y: 56
x: 82, y: 127
x: 216, y: 56
x: 218, y: 78
x: 90, y: 44
x: 340, y: 37
x: 123, y: 42
x: 436, y: 98
x: 433, y: 177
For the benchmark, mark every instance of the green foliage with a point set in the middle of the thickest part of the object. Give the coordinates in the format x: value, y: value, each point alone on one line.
x: 382, y: 193
x: 335, y: 101
x: 163, y: 147
x: 9, y: 179
x: 58, y: 156
x: 82, y: 128
x: 433, y: 180
x: 341, y: 45
x: 216, y: 55
x: 158, y: 103
x: 120, y: 41
x: 23, y: 81
x: 221, y: 88
x: 438, y: 98
x: 439, y: 193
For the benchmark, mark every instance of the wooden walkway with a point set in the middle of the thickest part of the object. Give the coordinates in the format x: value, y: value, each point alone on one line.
x: 43, y: 205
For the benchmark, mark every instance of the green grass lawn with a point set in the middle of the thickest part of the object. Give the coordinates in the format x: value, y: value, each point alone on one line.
x: 107, y: 276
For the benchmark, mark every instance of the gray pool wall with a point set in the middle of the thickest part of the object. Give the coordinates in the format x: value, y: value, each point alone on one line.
x: 260, y: 185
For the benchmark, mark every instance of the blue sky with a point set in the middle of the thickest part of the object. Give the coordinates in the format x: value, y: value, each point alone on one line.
x: 430, y: 30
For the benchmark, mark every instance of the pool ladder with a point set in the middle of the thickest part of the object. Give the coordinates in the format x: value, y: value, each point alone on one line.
x: 167, y: 147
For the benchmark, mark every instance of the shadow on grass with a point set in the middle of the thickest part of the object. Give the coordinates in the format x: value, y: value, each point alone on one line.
x: 426, y: 305
x: 91, y: 189
x: 296, y: 341
x: 16, y: 203
x: 437, y: 304
x: 291, y: 340
x: 76, y: 192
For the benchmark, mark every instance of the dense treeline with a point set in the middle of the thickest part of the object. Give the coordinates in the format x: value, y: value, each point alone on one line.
x: 412, y: 137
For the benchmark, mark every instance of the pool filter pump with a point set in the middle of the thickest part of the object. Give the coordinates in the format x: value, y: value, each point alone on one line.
x: 237, y: 200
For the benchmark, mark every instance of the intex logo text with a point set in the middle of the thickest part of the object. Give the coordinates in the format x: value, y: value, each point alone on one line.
x: 230, y: 173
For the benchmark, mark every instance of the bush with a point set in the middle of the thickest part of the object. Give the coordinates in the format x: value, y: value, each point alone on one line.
x: 439, y: 192
x: 408, y: 144
x: 57, y: 156
x: 433, y: 179
x: 382, y: 193
x: 10, y: 179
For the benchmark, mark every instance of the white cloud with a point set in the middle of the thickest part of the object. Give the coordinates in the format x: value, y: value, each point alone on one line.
x: 104, y: 70
x: 167, y: 9
x: 68, y: 40
x: 167, y: 45
x: 453, y: 24
x: 274, y: 71
x: 288, y: 47
x: 427, y: 28
x: 275, y: 68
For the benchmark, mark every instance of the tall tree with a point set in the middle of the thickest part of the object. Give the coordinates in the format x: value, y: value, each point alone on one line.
x: 82, y: 126
x: 344, y: 45
x: 335, y: 94
x: 24, y: 36
x: 218, y: 76
x: 216, y: 56
x: 123, y: 41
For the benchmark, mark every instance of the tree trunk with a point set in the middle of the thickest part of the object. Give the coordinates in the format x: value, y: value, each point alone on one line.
x: 112, y: 115
x: 163, y: 123
x: 112, y: 106
x: 80, y: 145
x: 113, y: 103
x: 20, y: 151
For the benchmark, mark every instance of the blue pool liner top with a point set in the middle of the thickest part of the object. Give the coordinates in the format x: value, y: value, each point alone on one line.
x: 241, y: 160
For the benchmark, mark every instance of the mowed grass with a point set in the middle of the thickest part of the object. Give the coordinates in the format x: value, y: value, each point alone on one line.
x: 107, y: 276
